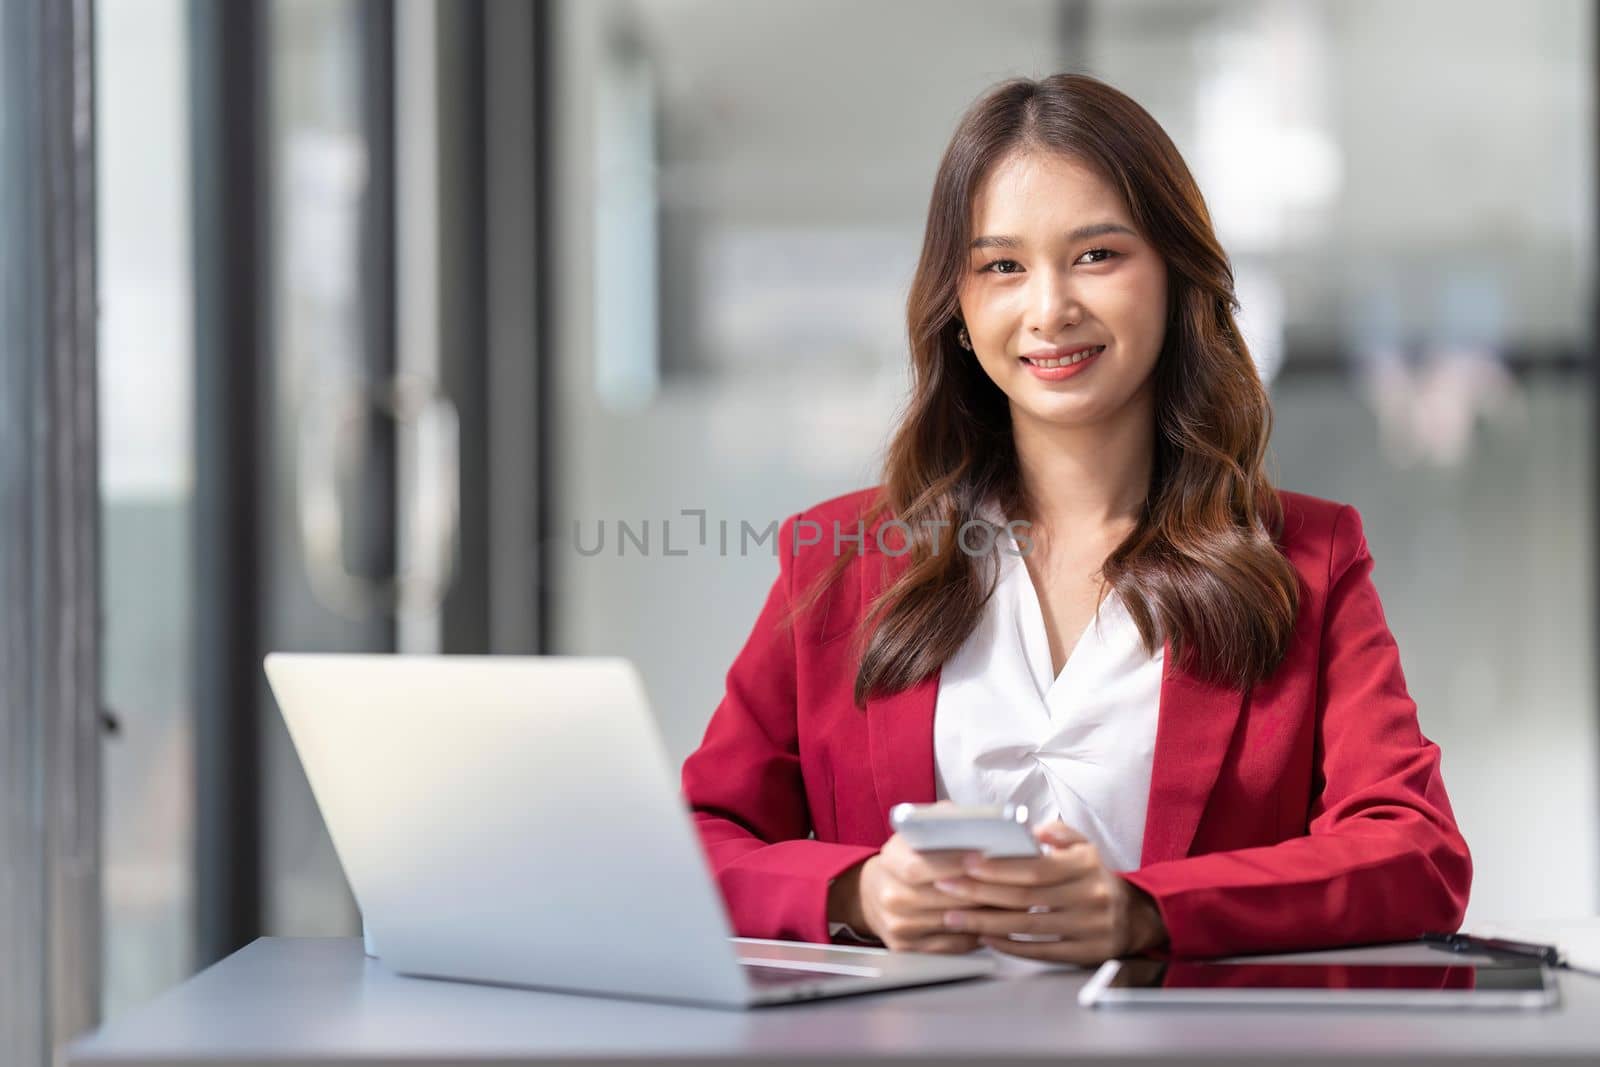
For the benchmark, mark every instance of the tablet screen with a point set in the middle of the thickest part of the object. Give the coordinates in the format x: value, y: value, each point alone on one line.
x: 1155, y: 974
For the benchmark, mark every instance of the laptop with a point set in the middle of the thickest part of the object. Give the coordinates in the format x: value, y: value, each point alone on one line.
x: 516, y: 821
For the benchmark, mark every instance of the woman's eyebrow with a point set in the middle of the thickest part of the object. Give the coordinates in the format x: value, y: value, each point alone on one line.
x: 1082, y: 233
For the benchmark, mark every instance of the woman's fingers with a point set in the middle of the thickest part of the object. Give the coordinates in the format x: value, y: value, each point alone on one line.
x: 1058, y: 834
x: 905, y: 897
x: 921, y: 868
x: 902, y: 930
x: 946, y: 901
x: 969, y: 892
x: 1087, y: 953
x: 999, y: 922
x: 1054, y: 868
x: 925, y: 868
x: 946, y: 944
x: 1065, y: 905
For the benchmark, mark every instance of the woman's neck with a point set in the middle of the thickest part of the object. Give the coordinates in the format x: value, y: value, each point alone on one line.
x: 1081, y: 481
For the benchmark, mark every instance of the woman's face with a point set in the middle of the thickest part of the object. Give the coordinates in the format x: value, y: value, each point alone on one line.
x: 1056, y: 265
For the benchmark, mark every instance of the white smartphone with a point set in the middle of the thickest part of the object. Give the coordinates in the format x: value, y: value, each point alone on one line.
x: 1000, y: 831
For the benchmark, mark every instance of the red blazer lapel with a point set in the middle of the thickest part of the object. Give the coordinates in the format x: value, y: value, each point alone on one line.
x: 900, y: 735
x: 899, y: 725
x: 1193, y: 727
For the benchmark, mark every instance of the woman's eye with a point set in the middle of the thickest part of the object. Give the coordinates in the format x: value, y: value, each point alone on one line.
x: 1011, y: 266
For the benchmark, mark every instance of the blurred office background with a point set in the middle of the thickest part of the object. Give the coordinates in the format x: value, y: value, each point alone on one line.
x: 397, y: 297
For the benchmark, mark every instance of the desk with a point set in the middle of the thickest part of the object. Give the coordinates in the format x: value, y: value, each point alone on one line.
x: 294, y: 1001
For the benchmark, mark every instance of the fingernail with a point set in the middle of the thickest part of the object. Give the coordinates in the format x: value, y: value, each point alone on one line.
x: 973, y: 865
x: 954, y: 920
x: 949, y: 885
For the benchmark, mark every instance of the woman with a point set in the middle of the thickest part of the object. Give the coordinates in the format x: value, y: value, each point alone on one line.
x: 1185, y: 672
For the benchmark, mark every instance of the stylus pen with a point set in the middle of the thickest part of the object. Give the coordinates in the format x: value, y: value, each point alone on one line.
x: 1496, y: 946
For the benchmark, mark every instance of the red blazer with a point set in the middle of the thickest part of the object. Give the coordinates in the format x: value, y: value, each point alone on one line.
x: 1306, y: 812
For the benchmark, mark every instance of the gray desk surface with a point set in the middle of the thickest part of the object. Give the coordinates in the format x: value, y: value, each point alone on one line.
x: 292, y: 1001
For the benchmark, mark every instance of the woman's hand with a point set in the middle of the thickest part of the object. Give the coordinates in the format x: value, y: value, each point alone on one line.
x: 1092, y: 913
x: 892, y: 897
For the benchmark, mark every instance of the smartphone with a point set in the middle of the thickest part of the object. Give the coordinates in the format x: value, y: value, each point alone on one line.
x: 1000, y: 831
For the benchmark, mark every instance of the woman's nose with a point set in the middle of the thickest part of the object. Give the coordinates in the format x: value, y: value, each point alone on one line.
x: 1053, y: 304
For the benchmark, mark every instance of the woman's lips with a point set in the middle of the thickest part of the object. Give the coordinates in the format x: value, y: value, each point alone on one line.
x: 1056, y: 374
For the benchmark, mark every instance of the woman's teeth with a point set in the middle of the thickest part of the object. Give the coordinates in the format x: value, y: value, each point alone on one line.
x: 1068, y: 361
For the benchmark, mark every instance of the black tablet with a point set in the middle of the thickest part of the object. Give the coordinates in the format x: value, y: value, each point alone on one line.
x: 1450, y: 985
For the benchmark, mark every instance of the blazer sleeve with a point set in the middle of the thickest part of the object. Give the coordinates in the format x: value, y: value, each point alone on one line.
x: 1382, y: 859
x: 745, y: 786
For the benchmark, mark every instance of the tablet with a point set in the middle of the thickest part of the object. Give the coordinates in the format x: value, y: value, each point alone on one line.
x: 1454, y: 985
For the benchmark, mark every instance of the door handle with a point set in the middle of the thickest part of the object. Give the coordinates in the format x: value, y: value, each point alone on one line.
x: 330, y: 449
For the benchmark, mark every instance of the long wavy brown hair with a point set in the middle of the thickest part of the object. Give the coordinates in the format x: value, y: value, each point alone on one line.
x: 1201, y: 569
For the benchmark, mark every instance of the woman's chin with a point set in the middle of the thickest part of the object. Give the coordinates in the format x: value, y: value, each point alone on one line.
x: 1056, y: 412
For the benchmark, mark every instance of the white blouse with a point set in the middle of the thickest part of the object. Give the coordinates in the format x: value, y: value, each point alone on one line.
x: 1077, y: 746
